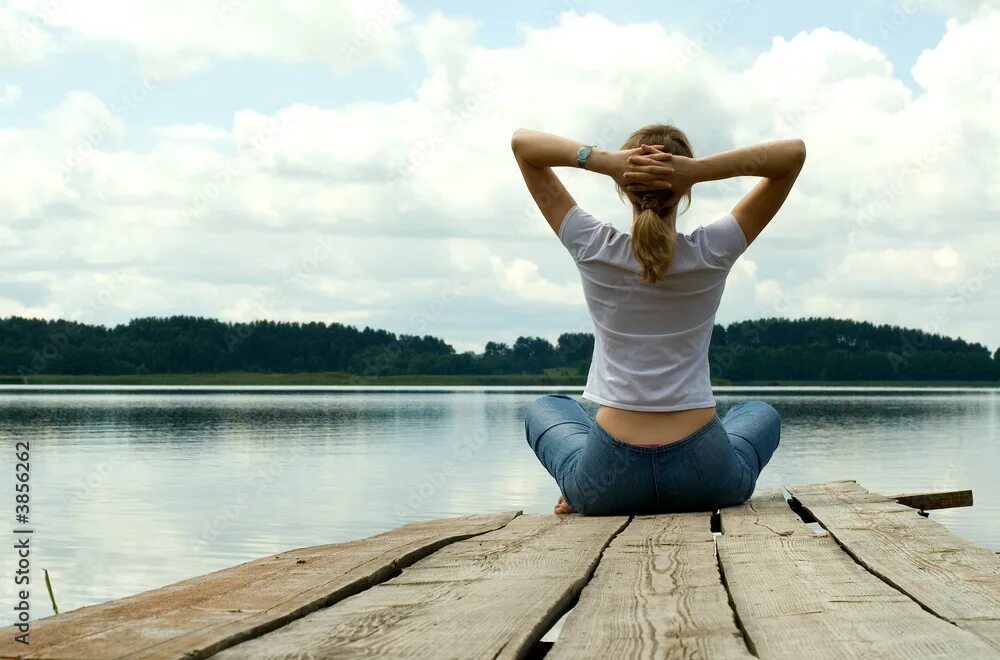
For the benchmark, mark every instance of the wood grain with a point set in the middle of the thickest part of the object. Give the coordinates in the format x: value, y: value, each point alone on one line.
x: 955, y: 579
x: 767, y: 514
x: 799, y: 595
x: 656, y: 593
x: 492, y: 596
x: 196, y: 617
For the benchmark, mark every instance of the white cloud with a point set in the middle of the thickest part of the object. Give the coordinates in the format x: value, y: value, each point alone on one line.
x: 192, y: 133
x: 411, y: 215
x: 748, y: 295
x: 26, y: 39
x: 835, y: 306
x: 945, y: 68
x: 962, y: 7
x: 814, y: 59
x: 17, y: 308
x: 40, y: 167
x: 894, y: 273
x: 521, y: 278
x: 178, y: 37
x: 8, y: 239
x: 251, y: 309
x: 9, y: 95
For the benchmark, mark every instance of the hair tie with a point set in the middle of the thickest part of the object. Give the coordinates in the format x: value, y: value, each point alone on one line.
x: 651, y: 201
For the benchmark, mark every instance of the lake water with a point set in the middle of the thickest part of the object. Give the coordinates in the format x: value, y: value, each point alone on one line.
x: 134, y: 490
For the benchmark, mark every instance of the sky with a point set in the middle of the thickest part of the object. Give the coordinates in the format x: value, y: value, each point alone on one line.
x: 349, y: 160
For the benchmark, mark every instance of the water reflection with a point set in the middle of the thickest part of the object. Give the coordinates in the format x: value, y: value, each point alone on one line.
x: 133, y: 491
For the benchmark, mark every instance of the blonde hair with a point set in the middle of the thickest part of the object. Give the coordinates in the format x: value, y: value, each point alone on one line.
x: 653, y: 238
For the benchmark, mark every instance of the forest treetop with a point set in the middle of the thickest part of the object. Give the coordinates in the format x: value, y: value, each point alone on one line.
x: 764, y: 349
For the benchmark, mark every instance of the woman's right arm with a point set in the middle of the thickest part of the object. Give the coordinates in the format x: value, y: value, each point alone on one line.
x: 778, y: 162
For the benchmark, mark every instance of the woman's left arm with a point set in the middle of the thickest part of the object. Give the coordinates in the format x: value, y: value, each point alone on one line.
x: 537, y: 153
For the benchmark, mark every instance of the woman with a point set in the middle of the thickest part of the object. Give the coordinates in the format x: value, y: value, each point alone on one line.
x: 657, y: 444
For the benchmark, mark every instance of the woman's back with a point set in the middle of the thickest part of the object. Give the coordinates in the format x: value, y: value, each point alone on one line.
x: 651, y: 340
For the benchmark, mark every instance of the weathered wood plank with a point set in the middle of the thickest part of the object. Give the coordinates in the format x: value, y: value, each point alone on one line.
x: 947, y: 499
x: 656, y: 593
x: 799, y: 595
x: 766, y: 514
x: 492, y: 596
x: 954, y: 578
x: 196, y: 617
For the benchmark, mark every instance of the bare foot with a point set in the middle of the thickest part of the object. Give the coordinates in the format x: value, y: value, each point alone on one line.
x: 562, y: 506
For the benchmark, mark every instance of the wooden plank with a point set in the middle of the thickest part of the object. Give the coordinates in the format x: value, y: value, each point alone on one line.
x: 196, y: 617
x: 492, y: 596
x: 957, y: 580
x: 657, y: 593
x: 766, y: 514
x: 799, y: 595
x: 947, y: 499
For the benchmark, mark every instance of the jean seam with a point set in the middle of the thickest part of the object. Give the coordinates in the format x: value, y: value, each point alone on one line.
x: 553, y: 425
x: 697, y: 463
x: 656, y: 486
x: 562, y: 491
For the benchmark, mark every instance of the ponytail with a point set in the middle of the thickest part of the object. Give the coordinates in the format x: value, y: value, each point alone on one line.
x: 653, y: 241
x: 653, y: 234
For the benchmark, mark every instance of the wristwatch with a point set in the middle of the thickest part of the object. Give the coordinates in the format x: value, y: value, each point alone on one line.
x: 583, y: 153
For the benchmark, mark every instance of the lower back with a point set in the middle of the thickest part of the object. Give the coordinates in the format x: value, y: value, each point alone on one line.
x: 648, y: 428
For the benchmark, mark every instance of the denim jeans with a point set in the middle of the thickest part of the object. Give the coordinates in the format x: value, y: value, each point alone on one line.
x: 714, y: 467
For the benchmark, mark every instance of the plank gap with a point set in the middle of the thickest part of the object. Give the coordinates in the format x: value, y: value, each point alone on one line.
x: 732, y: 604
x: 860, y: 562
x: 203, y: 615
x: 552, y: 634
x: 802, y: 512
x: 807, y: 518
x: 545, y: 643
x: 392, y: 570
x: 888, y: 581
x: 539, y: 650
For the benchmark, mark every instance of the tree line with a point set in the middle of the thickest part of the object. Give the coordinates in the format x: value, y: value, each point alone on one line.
x: 772, y: 349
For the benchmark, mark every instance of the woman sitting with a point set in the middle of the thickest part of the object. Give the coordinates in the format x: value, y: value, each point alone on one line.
x: 656, y: 444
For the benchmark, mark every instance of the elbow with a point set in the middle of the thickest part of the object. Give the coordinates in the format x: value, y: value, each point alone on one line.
x: 800, y: 151
x: 517, y: 140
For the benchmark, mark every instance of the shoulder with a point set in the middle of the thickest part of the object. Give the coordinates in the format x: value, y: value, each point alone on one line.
x: 580, y: 232
x: 720, y: 242
x: 577, y: 220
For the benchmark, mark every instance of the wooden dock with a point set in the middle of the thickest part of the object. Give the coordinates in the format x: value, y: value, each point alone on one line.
x: 835, y: 572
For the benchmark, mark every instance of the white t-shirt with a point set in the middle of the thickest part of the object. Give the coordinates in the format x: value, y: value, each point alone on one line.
x: 651, y: 340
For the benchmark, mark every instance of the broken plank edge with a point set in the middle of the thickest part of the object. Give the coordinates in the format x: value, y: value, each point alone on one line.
x: 391, y: 570
x: 949, y: 499
x: 866, y: 564
x: 533, y: 645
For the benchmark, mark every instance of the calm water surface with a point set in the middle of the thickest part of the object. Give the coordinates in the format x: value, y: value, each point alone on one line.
x: 132, y: 491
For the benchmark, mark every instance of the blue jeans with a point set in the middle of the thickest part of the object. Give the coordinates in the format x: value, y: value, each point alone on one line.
x: 714, y: 467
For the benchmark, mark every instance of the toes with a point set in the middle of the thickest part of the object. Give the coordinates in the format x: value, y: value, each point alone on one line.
x: 562, y: 506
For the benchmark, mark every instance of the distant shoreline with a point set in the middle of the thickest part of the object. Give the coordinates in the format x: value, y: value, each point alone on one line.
x: 340, y: 378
